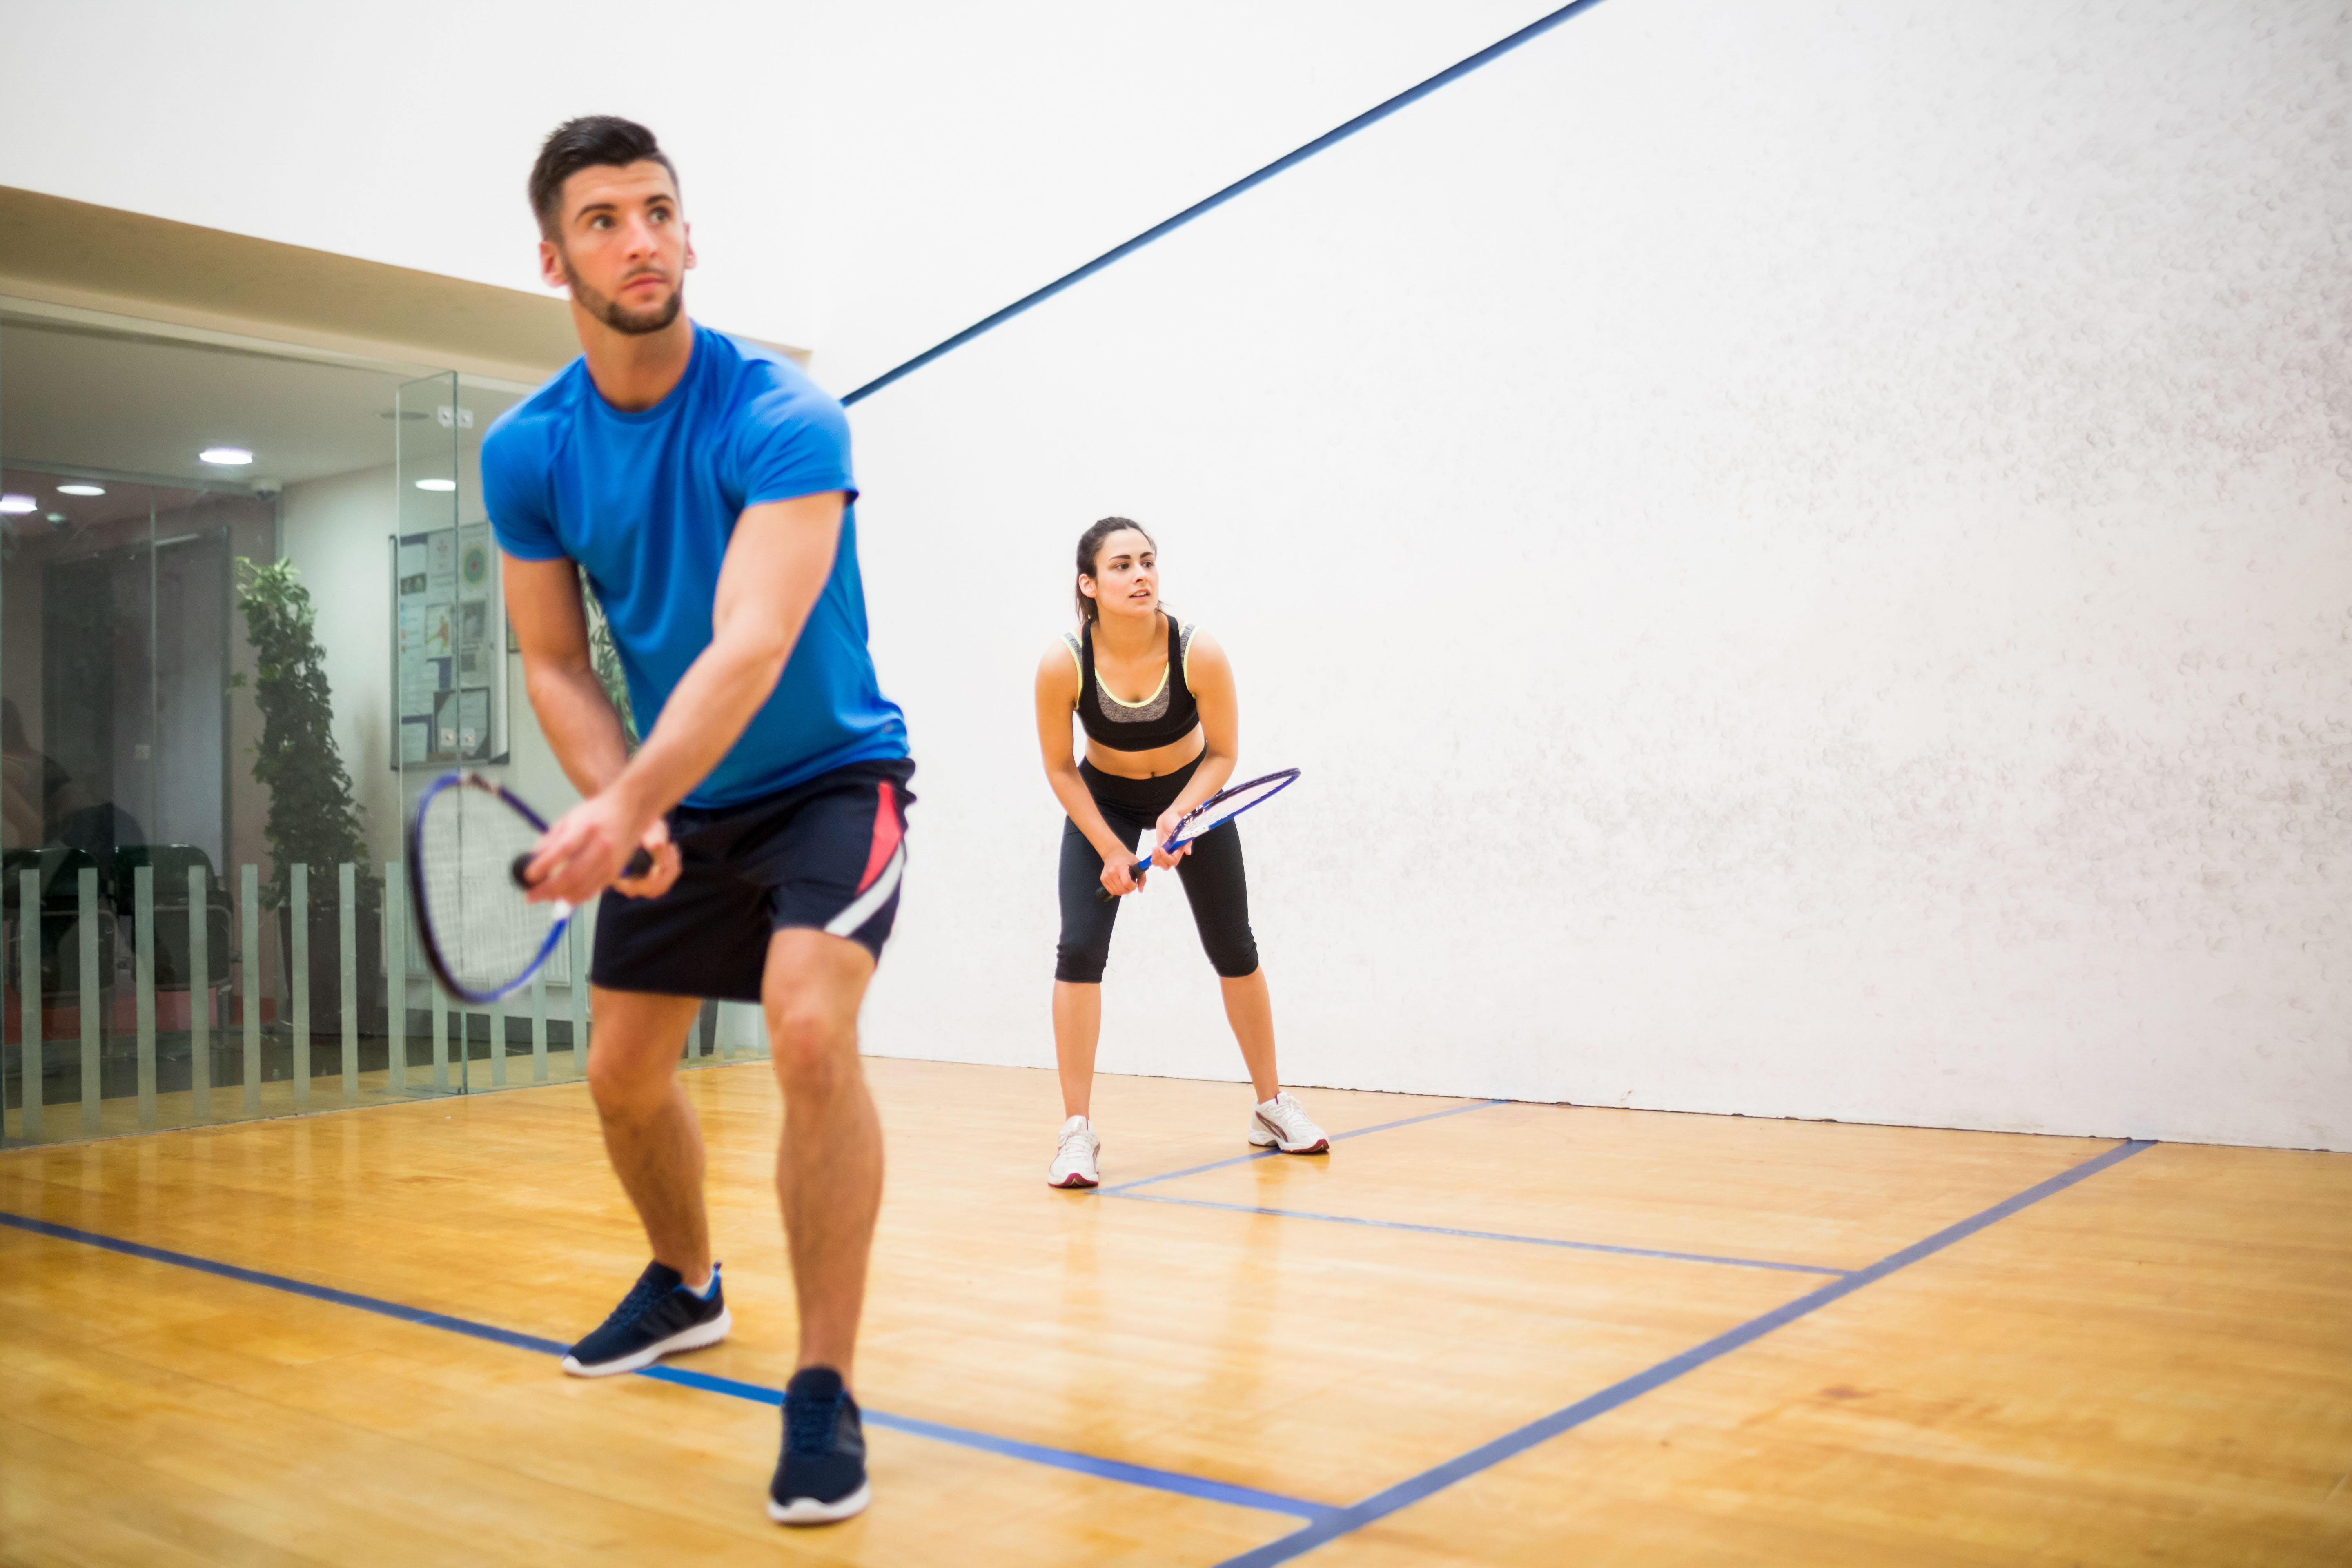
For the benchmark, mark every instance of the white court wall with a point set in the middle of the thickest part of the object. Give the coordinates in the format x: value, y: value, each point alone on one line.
x: 1803, y: 551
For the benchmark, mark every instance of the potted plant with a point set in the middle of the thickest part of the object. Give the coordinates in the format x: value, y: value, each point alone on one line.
x: 313, y: 819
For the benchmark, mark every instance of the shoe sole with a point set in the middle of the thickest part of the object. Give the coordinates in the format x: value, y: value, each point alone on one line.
x: 1320, y: 1145
x: 1072, y: 1182
x: 808, y: 1510
x: 694, y: 1338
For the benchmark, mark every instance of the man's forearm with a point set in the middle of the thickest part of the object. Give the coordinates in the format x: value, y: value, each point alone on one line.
x: 703, y: 718
x: 581, y: 725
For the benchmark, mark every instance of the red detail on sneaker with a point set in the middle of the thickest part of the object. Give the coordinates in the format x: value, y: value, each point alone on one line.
x: 885, y: 834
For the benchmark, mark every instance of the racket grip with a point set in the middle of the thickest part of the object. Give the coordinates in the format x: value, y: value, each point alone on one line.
x: 639, y: 865
x: 1104, y: 895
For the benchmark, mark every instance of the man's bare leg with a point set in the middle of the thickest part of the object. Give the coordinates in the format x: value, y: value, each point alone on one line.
x: 650, y: 1131
x: 829, y: 1164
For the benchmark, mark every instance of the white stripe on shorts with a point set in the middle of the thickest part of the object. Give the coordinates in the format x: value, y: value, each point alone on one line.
x: 871, y: 900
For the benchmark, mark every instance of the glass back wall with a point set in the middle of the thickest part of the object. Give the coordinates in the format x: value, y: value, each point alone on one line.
x: 191, y: 877
x: 249, y: 603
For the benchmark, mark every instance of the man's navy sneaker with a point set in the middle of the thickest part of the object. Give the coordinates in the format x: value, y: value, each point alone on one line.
x: 658, y: 1315
x: 820, y: 1474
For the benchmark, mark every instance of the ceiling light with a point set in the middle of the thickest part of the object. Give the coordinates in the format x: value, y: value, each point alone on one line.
x: 226, y: 456
x: 437, y: 484
x: 81, y: 489
x: 59, y: 518
x: 17, y: 506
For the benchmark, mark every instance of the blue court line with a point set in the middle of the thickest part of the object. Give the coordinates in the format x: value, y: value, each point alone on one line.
x: 1379, y: 111
x: 1493, y: 1235
x: 1381, y: 1504
x: 1125, y: 1187
x: 1012, y: 1449
x: 985, y: 1442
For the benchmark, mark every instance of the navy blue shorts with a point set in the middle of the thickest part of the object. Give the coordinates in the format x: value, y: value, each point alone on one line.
x: 826, y: 854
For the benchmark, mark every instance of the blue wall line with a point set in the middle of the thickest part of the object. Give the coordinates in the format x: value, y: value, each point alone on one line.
x: 1059, y: 1459
x: 1454, y: 72
x: 1381, y: 1504
x: 1490, y: 1234
x: 1272, y: 1153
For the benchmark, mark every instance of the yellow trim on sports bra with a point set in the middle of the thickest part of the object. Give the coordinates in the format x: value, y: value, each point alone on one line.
x: 1114, y: 697
x: 1184, y: 630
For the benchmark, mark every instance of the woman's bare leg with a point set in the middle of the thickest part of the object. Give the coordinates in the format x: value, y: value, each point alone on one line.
x: 1249, y: 1008
x: 1077, y: 1027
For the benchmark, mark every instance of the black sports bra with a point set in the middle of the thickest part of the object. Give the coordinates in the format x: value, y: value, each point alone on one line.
x: 1164, y: 718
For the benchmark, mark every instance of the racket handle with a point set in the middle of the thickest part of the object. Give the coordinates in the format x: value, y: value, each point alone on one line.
x: 639, y: 865
x: 1104, y: 895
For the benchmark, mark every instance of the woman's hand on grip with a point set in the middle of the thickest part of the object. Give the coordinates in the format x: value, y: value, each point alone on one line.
x: 1119, y: 877
x: 1171, y: 823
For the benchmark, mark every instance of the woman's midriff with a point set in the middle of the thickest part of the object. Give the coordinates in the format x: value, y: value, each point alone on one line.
x: 1149, y: 765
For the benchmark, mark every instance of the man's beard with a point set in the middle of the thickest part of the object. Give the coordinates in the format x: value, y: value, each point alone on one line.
x: 619, y: 317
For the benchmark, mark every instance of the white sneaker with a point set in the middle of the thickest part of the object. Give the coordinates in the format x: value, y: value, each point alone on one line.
x: 1282, y: 1123
x: 1074, y: 1161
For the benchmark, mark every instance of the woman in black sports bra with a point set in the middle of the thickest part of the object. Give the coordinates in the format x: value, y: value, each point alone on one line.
x: 1155, y: 697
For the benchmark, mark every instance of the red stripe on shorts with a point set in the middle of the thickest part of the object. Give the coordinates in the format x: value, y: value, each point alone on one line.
x: 885, y: 836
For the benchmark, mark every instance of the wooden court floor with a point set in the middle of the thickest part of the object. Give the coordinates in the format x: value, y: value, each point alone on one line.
x: 1494, y: 1333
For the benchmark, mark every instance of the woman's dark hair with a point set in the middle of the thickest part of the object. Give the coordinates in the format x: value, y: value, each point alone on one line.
x: 591, y: 142
x: 1090, y: 546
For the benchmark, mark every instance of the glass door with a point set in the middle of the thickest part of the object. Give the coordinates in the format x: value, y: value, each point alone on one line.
x: 440, y: 718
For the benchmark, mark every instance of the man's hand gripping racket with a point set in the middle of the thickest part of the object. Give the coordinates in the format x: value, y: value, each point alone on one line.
x: 487, y: 925
x: 1211, y: 814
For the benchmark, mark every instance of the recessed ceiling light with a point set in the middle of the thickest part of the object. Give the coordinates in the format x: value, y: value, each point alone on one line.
x: 80, y: 489
x: 226, y: 456
x: 17, y: 506
x: 437, y: 484
x: 57, y: 517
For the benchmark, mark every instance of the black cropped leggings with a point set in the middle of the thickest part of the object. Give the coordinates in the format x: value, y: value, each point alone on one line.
x: 1211, y: 874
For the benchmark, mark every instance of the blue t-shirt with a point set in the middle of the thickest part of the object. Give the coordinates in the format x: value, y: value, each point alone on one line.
x: 646, y: 502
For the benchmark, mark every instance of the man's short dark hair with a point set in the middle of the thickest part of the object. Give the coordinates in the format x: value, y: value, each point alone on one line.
x: 591, y: 142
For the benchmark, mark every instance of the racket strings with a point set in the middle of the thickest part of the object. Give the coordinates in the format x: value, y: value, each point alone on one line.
x: 1221, y: 810
x: 487, y: 935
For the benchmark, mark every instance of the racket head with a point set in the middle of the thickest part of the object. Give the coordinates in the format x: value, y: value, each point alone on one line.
x: 1227, y: 804
x: 483, y: 939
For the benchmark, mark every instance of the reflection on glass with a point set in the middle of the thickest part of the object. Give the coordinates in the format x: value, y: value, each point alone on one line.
x: 185, y: 855
x: 220, y: 685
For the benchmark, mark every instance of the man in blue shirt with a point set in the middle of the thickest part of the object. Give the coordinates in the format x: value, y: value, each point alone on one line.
x: 702, y: 485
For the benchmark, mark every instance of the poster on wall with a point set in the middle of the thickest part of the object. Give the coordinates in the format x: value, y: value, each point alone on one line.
x: 474, y: 562
x: 448, y: 662
x: 474, y: 660
x: 441, y: 565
